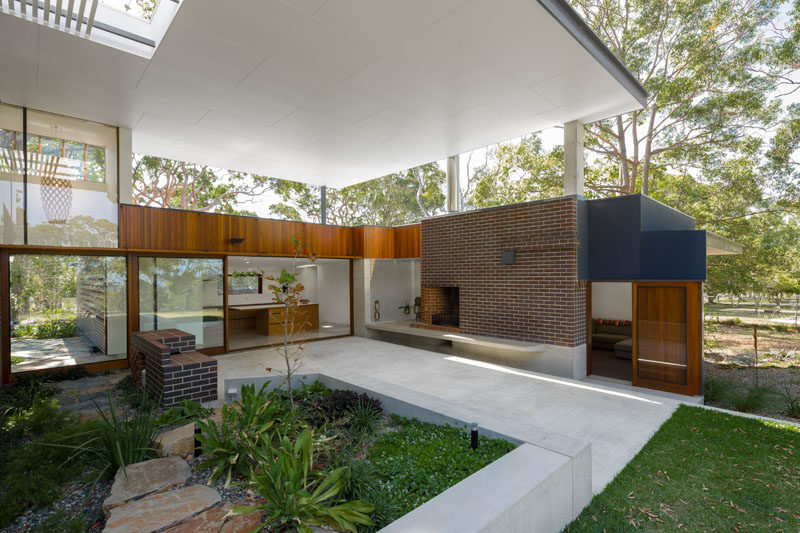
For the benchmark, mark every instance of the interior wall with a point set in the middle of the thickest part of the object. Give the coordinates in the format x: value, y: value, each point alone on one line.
x: 270, y: 266
x: 333, y: 290
x: 612, y: 300
x: 395, y: 283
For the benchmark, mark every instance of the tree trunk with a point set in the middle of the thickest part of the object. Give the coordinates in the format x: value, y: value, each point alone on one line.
x: 624, y: 168
x: 648, y: 148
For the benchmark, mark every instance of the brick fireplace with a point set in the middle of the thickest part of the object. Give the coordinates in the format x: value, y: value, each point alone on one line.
x: 537, y: 297
x: 440, y: 307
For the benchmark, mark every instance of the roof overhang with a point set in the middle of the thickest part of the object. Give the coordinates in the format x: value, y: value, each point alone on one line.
x: 719, y: 245
x: 327, y: 92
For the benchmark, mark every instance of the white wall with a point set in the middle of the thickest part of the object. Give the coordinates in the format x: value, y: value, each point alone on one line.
x: 394, y: 283
x: 333, y: 290
x: 612, y: 300
x: 271, y: 266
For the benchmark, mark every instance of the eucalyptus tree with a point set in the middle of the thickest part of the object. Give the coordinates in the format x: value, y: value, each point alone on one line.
x: 707, y: 67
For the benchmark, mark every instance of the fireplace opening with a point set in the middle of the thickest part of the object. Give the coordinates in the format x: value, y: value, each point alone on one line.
x: 446, y: 312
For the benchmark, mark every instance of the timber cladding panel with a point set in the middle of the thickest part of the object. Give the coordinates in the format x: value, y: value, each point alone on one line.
x: 538, y: 298
x: 170, y: 230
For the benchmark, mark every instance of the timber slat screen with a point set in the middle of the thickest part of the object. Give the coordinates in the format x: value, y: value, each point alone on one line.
x: 156, y: 229
x: 667, y: 341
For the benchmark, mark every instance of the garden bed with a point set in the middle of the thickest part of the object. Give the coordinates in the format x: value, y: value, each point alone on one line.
x: 388, y: 463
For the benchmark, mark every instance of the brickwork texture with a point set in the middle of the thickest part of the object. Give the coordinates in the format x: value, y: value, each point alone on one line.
x: 174, y: 370
x: 537, y: 299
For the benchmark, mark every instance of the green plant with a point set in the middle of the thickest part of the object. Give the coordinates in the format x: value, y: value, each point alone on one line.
x: 134, y: 396
x: 117, y: 440
x: 32, y: 473
x: 792, y: 402
x: 364, y: 419
x: 298, y: 497
x: 420, y: 460
x: 716, y: 389
x: 187, y: 411
x: 359, y: 479
x: 59, y: 521
x: 16, y: 360
x: 245, y: 427
x: 337, y: 406
x: 750, y: 398
x: 47, y: 329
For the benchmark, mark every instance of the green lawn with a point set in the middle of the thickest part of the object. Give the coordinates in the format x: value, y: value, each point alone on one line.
x: 705, y: 471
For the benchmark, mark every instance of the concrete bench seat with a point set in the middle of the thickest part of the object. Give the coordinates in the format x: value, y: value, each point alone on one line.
x: 462, y: 338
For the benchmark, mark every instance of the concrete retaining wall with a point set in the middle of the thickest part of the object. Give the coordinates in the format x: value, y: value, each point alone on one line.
x: 539, y: 487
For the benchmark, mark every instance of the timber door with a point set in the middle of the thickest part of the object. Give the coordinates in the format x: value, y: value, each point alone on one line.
x: 667, y: 345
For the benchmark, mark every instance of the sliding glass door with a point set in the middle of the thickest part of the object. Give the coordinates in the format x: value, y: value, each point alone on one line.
x: 183, y: 293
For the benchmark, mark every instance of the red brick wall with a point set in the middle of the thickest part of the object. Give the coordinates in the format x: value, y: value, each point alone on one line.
x: 537, y: 299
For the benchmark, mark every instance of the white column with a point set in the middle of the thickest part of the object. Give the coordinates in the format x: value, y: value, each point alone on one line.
x: 452, y: 183
x: 573, y: 158
x: 362, y: 297
x: 125, y: 159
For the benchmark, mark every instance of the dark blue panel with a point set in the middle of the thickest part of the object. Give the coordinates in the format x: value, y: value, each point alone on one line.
x: 583, y: 238
x: 659, y: 217
x: 673, y: 255
x: 614, y: 237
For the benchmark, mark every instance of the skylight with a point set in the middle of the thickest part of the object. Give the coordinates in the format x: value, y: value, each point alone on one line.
x: 140, y: 9
x: 134, y: 26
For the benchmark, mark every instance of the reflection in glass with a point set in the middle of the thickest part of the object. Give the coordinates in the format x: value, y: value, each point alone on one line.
x: 72, y: 182
x: 11, y: 176
x: 185, y: 294
x: 67, y: 310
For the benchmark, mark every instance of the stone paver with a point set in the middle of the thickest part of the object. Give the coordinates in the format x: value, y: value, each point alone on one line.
x: 147, y: 477
x: 180, y: 441
x: 215, y: 521
x: 162, y: 510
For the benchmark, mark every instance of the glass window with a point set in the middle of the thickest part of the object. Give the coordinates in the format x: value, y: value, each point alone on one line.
x: 244, y: 283
x: 72, y: 182
x: 185, y: 294
x: 67, y: 310
x: 11, y: 176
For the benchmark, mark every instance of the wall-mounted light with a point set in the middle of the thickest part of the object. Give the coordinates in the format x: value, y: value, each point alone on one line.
x: 237, y: 240
x: 509, y: 257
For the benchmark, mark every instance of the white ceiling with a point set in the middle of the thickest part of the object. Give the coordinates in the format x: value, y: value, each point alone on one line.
x: 329, y: 92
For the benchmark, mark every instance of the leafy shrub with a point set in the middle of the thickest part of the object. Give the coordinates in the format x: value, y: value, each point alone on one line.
x: 246, y: 426
x: 188, y: 411
x: 16, y: 360
x: 297, y: 496
x: 48, y: 329
x: 364, y: 419
x: 716, y: 389
x: 336, y: 406
x: 421, y: 460
x: 749, y: 398
x: 31, y: 475
x: 118, y: 439
x: 135, y: 397
x: 359, y: 479
x: 792, y: 402
x: 26, y: 408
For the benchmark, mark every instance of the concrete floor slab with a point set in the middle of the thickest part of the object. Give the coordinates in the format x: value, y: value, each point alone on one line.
x: 617, y: 422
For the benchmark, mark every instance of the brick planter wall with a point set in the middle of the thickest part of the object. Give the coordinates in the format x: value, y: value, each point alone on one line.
x: 174, y: 370
x: 537, y: 299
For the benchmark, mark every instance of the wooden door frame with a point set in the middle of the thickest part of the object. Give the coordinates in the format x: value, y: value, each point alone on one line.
x: 588, y: 328
x: 694, y: 342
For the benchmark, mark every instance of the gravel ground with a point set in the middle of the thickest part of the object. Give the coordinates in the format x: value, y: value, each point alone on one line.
x: 236, y: 493
x: 75, y: 502
x: 777, y: 378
